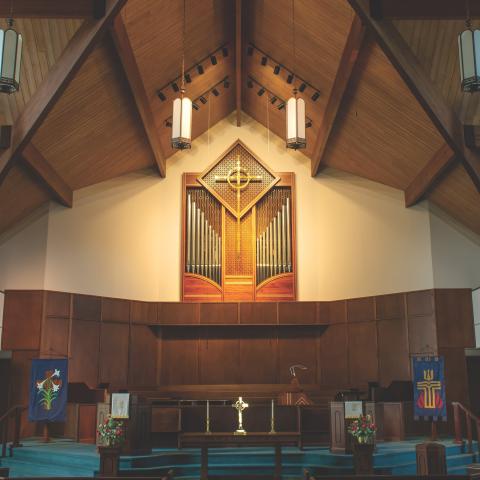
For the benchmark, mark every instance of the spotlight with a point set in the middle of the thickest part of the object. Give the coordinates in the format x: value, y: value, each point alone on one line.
x: 290, y: 78
x: 250, y: 84
x: 273, y: 100
x: 302, y: 87
x: 308, y: 124
x: 225, y: 51
x: 276, y: 70
x: 200, y: 69
x: 213, y: 59
x: 188, y: 78
x: 226, y: 83
x: 264, y: 61
x: 250, y: 51
x: 281, y: 106
x: 168, y: 123
x: 161, y: 96
x: 261, y: 92
x: 175, y: 87
x: 215, y: 92
x: 195, y: 106
x: 203, y: 100
x: 315, y: 96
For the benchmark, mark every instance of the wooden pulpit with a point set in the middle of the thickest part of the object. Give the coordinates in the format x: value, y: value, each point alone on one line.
x: 138, y: 427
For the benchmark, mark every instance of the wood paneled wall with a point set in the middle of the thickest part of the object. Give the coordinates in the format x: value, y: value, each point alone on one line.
x: 140, y: 344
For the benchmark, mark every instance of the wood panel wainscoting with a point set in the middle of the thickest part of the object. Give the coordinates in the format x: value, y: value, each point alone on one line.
x: 181, y: 350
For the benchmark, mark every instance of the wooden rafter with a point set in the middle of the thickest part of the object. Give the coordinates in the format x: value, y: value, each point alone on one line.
x: 54, y: 85
x: 238, y: 59
x: 47, y: 175
x: 53, y: 8
x: 347, y: 63
x: 422, y: 10
x: 130, y: 66
x: 429, y: 176
x: 440, y: 113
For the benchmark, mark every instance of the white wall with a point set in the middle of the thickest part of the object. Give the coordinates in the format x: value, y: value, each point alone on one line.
x: 455, y: 253
x: 122, y: 238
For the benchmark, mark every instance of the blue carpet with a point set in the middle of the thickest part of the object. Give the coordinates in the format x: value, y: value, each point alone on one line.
x: 64, y: 458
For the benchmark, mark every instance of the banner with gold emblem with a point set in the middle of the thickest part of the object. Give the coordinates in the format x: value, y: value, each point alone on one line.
x: 429, y: 388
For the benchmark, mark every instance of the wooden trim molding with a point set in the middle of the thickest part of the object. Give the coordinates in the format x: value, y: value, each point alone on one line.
x: 54, y: 8
x: 238, y: 60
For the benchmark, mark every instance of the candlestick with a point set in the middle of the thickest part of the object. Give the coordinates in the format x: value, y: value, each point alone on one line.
x: 207, y: 430
x: 272, y: 419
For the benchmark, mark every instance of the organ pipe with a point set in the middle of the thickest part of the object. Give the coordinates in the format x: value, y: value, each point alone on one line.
x: 203, y: 238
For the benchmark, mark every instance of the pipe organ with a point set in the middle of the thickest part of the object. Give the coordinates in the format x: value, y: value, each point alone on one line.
x: 238, y: 231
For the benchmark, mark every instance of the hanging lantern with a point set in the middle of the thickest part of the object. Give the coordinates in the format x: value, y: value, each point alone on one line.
x: 295, y: 114
x: 182, y: 123
x: 469, y: 54
x: 10, y: 59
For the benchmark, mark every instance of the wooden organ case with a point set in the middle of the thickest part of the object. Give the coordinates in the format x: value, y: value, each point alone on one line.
x: 238, y: 241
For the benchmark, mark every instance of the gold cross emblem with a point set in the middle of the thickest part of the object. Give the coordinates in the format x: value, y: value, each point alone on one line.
x: 429, y: 387
x: 240, y: 406
x: 238, y: 178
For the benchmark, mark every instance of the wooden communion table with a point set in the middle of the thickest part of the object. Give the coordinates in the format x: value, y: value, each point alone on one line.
x: 228, y: 439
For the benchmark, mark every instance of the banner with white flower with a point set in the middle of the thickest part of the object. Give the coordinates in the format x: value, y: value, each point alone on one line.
x: 48, y: 390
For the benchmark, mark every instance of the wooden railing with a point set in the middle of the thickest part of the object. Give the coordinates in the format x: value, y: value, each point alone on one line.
x: 15, y: 413
x: 458, y: 408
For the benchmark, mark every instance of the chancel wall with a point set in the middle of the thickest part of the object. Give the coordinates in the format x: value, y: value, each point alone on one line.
x: 355, y: 238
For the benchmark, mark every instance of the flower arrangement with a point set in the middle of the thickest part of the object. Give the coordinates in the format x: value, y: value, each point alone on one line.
x: 111, y: 432
x: 49, y: 388
x: 363, y: 429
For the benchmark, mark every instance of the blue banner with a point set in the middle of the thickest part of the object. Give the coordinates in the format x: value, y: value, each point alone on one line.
x: 429, y: 388
x: 48, y: 390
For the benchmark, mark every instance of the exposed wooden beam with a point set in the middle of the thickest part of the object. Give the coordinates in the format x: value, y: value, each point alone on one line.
x: 53, y: 8
x: 441, y: 114
x: 422, y: 9
x: 54, y: 85
x: 347, y: 63
x: 130, y: 66
x: 47, y: 175
x: 429, y: 176
x: 5, y: 136
x: 238, y: 59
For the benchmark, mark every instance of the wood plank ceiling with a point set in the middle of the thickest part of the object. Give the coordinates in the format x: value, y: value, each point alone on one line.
x: 381, y: 132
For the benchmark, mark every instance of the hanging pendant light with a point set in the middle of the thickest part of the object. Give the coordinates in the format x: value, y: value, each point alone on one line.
x: 295, y: 111
x: 469, y: 55
x: 182, y: 109
x: 10, y: 59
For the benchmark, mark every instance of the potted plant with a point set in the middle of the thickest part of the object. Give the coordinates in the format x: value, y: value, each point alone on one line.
x: 363, y: 431
x: 111, y: 433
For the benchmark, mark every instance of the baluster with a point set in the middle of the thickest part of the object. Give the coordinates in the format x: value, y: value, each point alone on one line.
x: 469, y: 432
x: 457, y: 423
x: 4, y: 437
x: 477, y: 423
x: 18, y: 422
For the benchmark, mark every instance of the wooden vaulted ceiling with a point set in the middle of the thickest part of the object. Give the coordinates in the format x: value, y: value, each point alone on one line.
x: 107, y: 118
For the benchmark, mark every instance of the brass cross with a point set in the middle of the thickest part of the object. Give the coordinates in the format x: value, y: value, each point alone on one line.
x: 238, y: 178
x: 240, y: 406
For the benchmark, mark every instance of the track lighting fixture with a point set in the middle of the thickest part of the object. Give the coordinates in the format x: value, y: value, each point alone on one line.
x: 290, y: 78
x: 281, y: 106
x: 273, y: 100
x: 261, y: 92
x: 225, y: 51
x: 203, y: 99
x: 276, y: 70
x: 215, y: 92
x: 161, y: 96
x: 315, y: 96
x: 168, y: 123
x: 195, y: 106
x: 250, y: 84
x: 200, y: 70
x: 264, y: 61
x: 302, y: 87
x: 175, y: 87
x: 188, y: 78
x: 226, y: 83
x: 308, y: 124
x: 213, y: 59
